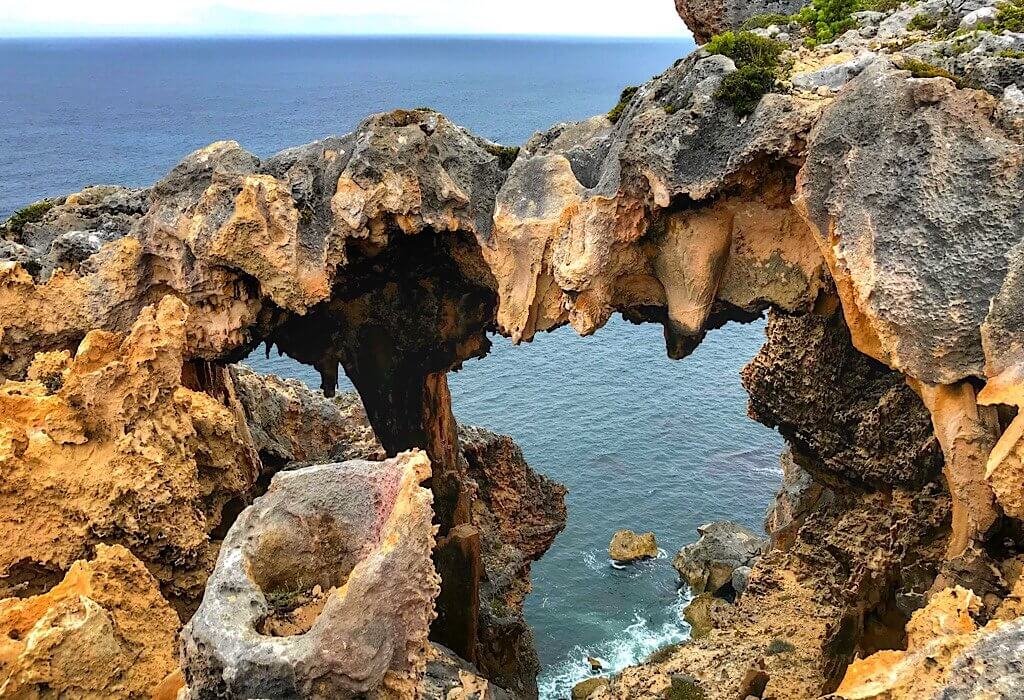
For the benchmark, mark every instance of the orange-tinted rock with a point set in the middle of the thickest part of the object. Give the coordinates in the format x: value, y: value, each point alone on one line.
x: 110, y: 446
x: 104, y: 631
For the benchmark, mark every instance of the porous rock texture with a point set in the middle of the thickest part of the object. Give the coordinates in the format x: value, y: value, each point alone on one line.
x: 876, y: 214
x: 103, y: 631
x: 324, y: 588
x: 516, y: 512
x: 705, y: 18
x: 707, y: 565
x: 123, y: 442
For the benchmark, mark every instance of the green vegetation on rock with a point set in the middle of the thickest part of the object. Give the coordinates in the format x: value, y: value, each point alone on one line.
x: 627, y: 94
x: 1010, y: 15
x: 684, y: 688
x: 779, y: 646
x: 923, y: 22
x: 827, y: 19
x: 763, y: 21
x: 923, y: 69
x: 757, y: 68
x: 31, y: 214
x: 1012, y: 53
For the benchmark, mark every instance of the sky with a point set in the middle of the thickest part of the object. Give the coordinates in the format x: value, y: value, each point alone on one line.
x: 626, y: 18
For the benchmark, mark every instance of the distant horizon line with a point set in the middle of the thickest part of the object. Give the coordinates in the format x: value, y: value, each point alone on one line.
x: 412, y: 35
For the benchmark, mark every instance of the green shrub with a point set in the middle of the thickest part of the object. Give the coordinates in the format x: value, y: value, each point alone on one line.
x: 506, y: 154
x: 763, y: 21
x: 923, y: 22
x: 779, y: 646
x: 746, y: 48
x: 1012, y: 53
x: 31, y: 214
x: 827, y: 19
x: 743, y: 88
x: 757, y: 67
x: 1010, y: 15
x: 627, y: 94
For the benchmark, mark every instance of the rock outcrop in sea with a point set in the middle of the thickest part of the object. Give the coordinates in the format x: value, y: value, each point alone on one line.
x: 858, y: 176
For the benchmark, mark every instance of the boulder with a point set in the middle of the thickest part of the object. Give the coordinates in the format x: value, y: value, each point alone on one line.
x: 324, y: 587
x: 627, y: 546
x: 707, y: 565
x: 584, y: 689
x: 705, y: 18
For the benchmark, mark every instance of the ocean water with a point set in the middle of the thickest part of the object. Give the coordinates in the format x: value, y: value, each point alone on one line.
x: 641, y: 441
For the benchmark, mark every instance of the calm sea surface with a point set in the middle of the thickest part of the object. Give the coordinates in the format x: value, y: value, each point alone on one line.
x: 641, y: 441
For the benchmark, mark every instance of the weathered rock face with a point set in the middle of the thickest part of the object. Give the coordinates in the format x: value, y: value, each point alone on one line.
x: 948, y: 655
x: 705, y: 18
x: 861, y: 421
x: 707, y: 565
x: 515, y: 513
x: 324, y: 588
x: 103, y: 631
x: 392, y: 251
x: 82, y: 438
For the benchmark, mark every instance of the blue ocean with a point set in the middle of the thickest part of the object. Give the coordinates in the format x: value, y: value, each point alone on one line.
x: 641, y: 441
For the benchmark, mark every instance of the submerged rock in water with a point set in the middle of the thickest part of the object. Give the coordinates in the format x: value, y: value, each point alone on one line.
x: 627, y: 547
x: 324, y: 588
x: 708, y: 564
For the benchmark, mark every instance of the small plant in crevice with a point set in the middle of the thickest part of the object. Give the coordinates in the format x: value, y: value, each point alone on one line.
x: 923, y: 22
x: 757, y: 68
x: 1012, y: 53
x: 506, y: 154
x: 923, y: 69
x: 624, y: 98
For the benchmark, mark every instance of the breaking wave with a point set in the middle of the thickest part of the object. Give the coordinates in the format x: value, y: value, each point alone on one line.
x: 634, y: 644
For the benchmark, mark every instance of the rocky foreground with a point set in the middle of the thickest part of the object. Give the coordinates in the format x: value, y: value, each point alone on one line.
x: 855, y: 172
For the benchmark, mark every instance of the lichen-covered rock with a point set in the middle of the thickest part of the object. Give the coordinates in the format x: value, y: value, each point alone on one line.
x: 103, y: 631
x: 120, y: 443
x: 707, y: 565
x: 627, y: 546
x: 324, y: 588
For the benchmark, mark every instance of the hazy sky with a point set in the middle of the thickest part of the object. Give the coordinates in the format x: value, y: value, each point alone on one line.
x: 191, y: 17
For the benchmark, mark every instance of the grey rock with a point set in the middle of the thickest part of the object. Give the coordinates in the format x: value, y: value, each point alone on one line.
x: 707, y: 565
x: 740, y: 577
x: 930, y: 172
x: 991, y: 668
x: 983, y: 15
x: 835, y: 76
x: 315, y: 541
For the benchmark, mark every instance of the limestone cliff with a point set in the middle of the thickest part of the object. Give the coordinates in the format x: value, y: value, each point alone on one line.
x: 858, y: 175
